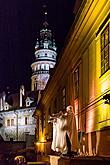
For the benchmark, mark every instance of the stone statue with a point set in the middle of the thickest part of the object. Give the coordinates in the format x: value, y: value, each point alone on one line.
x: 62, y: 131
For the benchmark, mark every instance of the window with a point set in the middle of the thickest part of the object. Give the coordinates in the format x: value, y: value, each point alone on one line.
x: 28, y: 103
x: 76, y: 83
x: 64, y: 98
x: 42, y: 66
x: 46, y: 54
x: 26, y: 120
x: 8, y: 122
x: 49, y: 110
x: 47, y: 66
x: 35, y: 85
x: 105, y: 49
x: 51, y: 66
x: 12, y: 122
x: 38, y: 66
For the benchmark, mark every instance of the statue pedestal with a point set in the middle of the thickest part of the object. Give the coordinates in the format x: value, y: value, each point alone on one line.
x: 57, y: 160
x: 54, y: 159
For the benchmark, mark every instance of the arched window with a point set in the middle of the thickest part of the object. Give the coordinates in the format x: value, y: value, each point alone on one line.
x: 47, y: 66
x: 42, y: 66
x: 38, y: 66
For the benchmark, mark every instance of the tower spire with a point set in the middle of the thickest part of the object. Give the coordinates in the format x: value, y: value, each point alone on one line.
x: 45, y: 56
x: 45, y: 23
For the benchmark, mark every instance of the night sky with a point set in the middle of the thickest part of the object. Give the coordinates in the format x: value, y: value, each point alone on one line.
x: 20, y: 22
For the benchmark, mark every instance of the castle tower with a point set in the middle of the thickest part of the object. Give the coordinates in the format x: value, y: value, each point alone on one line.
x: 45, y: 57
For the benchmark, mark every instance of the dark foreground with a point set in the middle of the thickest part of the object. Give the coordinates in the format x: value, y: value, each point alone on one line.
x: 46, y: 160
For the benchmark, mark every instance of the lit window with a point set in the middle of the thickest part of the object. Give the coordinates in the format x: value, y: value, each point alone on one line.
x: 38, y: 67
x: 105, y: 49
x: 12, y: 122
x: 76, y: 83
x: 8, y: 122
x: 46, y: 45
x: 47, y: 66
x: 44, y: 67
x: 51, y: 66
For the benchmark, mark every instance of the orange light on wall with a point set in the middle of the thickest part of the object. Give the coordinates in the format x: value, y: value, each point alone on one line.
x: 76, y: 112
x: 42, y: 139
x: 90, y: 117
x: 104, y: 86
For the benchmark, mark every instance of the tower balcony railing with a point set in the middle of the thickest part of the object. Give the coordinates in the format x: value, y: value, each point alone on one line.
x: 40, y: 72
x: 46, y: 58
x: 42, y: 47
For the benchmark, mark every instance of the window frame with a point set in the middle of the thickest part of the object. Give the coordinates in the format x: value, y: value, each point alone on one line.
x: 105, y: 49
x: 12, y: 122
x: 26, y: 120
x: 76, y: 82
x: 8, y: 122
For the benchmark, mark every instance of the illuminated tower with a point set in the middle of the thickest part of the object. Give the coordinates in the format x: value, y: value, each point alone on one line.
x: 45, y: 57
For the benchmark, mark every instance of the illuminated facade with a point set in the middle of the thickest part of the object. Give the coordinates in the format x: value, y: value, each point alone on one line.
x: 17, y: 124
x: 45, y: 58
x: 84, y: 80
x: 16, y: 118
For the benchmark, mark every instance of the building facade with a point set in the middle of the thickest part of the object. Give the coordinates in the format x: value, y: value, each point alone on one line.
x: 16, y: 116
x: 17, y: 124
x: 82, y: 80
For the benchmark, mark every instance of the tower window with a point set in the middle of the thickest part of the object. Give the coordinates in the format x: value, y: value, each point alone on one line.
x: 44, y: 67
x: 47, y: 67
x: 105, y: 49
x: 46, y: 45
x: 51, y: 66
x: 38, y: 67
